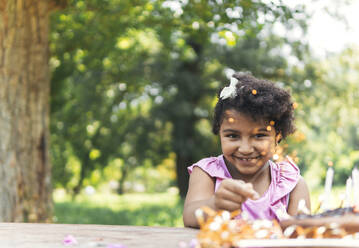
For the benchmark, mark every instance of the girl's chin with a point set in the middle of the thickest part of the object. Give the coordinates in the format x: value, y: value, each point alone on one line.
x: 247, y: 169
x: 247, y: 172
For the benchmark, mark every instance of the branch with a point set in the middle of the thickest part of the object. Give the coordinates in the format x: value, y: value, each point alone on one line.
x: 55, y: 4
x: 2, y: 5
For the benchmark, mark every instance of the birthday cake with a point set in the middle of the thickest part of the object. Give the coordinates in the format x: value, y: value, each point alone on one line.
x: 342, y: 222
x: 222, y: 229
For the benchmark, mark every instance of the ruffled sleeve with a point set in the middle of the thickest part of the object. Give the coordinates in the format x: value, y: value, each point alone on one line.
x: 286, y: 176
x: 213, y: 166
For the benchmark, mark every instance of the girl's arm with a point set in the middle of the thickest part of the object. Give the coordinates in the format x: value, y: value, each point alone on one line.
x: 299, y: 192
x: 200, y: 193
x: 229, y: 196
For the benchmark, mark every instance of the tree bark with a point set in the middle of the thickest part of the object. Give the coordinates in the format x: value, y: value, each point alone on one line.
x: 122, y: 180
x: 25, y: 170
x: 184, y: 148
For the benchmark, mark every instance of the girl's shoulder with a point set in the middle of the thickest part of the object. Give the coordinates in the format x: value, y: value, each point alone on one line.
x: 285, y: 176
x: 214, y: 166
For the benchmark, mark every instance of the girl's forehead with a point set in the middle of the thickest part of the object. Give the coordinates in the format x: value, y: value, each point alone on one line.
x: 237, y: 120
x: 232, y: 115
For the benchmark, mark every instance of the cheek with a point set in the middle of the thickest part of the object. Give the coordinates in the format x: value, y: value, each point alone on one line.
x: 227, y: 146
x: 266, y: 147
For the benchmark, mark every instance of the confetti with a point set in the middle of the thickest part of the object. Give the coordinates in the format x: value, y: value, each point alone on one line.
x: 269, y: 128
x: 194, y: 243
x: 70, y: 240
x: 276, y: 157
x: 254, y: 92
x: 272, y: 123
x: 230, y: 120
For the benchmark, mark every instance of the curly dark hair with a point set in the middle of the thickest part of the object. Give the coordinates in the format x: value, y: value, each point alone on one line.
x: 260, y: 99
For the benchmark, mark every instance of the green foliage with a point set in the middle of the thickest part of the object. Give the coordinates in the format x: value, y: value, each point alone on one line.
x: 201, y: 40
x: 100, y: 102
x: 136, y: 80
x: 328, y: 117
x: 161, y: 209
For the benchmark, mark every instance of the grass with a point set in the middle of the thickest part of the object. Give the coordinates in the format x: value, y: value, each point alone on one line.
x: 139, y: 209
x: 145, y: 209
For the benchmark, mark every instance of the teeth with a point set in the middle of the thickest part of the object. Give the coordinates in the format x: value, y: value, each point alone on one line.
x: 248, y: 159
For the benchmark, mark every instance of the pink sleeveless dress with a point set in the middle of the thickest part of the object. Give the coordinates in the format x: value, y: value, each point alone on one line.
x: 284, y: 177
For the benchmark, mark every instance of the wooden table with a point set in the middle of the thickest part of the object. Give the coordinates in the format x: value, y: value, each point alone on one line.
x: 26, y: 235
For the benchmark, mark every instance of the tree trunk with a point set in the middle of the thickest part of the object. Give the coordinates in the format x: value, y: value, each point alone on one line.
x: 85, y: 162
x: 182, y: 162
x: 183, y: 147
x: 184, y: 125
x: 122, y: 180
x: 25, y: 171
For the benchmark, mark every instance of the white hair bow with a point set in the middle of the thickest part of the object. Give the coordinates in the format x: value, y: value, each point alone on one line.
x: 229, y: 91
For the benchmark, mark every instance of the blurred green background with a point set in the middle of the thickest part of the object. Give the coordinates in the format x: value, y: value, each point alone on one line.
x: 134, y: 83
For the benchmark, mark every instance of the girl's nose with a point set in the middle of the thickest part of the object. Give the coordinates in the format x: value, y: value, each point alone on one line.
x: 245, y: 147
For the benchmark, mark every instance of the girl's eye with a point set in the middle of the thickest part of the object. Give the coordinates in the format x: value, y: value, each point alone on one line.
x: 232, y: 136
x: 260, y: 135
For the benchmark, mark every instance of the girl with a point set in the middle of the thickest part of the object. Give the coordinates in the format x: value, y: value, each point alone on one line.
x: 251, y: 117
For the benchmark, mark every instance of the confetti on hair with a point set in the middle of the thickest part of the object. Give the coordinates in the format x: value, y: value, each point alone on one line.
x: 269, y: 128
x: 295, y: 105
x: 272, y: 123
x: 254, y: 92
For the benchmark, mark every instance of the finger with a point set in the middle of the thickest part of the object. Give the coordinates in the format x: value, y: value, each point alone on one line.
x: 244, y: 189
x: 230, y: 196
x: 227, y: 205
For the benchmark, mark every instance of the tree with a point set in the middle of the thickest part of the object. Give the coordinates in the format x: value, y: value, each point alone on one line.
x: 168, y: 58
x: 99, y: 97
x: 201, y: 40
x: 25, y: 172
x: 327, y: 93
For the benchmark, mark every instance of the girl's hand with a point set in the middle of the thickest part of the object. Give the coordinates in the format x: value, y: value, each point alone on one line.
x: 232, y: 193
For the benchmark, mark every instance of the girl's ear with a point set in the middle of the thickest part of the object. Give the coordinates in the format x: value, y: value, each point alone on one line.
x: 278, y: 138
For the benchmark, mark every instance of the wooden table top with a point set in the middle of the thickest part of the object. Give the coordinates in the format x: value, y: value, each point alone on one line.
x: 30, y: 235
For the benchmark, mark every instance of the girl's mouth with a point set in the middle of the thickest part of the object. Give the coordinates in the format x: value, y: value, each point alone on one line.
x: 248, y: 158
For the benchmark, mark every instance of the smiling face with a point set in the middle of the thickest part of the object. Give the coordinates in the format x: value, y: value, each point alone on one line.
x: 246, y: 144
